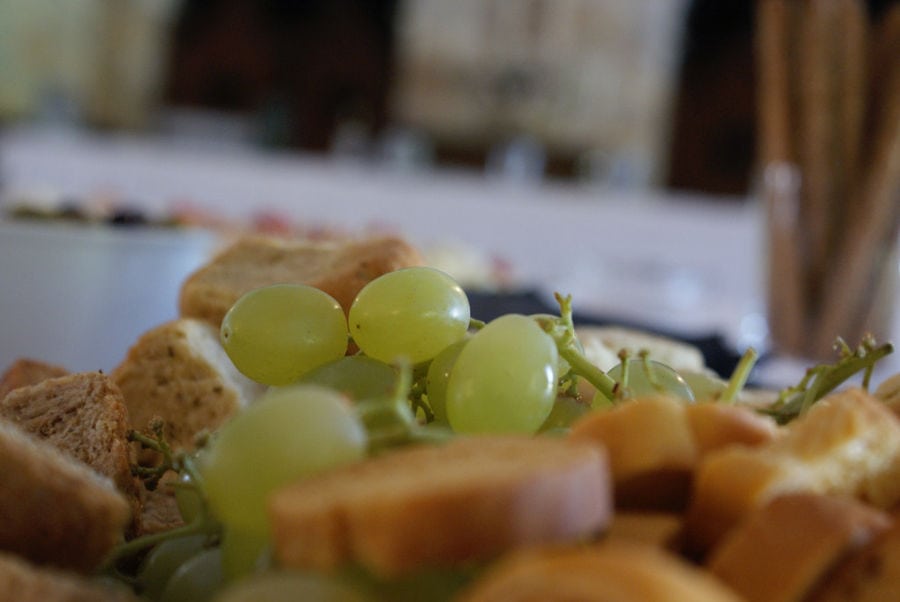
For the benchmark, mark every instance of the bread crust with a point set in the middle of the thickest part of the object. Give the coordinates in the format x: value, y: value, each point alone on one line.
x: 340, y: 268
x: 27, y: 371
x: 55, y: 510
x: 24, y: 582
x: 468, y: 500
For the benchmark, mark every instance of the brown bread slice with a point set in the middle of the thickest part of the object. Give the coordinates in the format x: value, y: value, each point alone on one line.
x: 340, y: 268
x: 23, y: 582
x: 55, y: 510
x: 613, y: 571
x: 26, y: 371
x: 81, y: 414
x: 438, y: 506
x: 179, y: 372
x: 847, y: 444
x: 784, y: 548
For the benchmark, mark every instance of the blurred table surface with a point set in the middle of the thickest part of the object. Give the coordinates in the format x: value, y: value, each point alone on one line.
x: 681, y: 263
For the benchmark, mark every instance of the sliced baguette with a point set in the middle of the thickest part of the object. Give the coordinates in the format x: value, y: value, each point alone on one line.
x: 655, y: 443
x: 340, y: 268
x: 55, y: 510
x: 23, y: 582
x: 428, y: 506
x: 784, y: 548
x: 26, y: 371
x: 847, y: 444
x: 179, y: 372
x: 81, y: 414
x: 613, y: 571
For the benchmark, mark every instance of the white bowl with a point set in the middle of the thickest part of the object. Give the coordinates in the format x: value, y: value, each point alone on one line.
x: 78, y: 294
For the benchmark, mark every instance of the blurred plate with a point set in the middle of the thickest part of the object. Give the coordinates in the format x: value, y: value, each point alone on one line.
x: 79, y: 294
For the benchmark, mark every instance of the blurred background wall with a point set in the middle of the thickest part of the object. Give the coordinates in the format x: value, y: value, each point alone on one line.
x: 626, y: 92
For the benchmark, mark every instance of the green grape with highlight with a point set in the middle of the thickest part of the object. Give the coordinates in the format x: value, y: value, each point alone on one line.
x: 437, y: 377
x: 197, y: 580
x: 356, y: 376
x: 650, y: 377
x: 411, y: 313
x: 275, y: 334
x: 287, y: 434
x: 505, y: 378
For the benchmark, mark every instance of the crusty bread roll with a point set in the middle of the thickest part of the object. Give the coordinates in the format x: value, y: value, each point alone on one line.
x: 340, y: 268
x: 613, y: 571
x: 784, y: 548
x: 179, y: 372
x: 847, y: 444
x: 55, y: 510
x: 870, y: 575
x: 23, y: 582
x: 27, y: 371
x: 655, y: 443
x: 84, y: 416
x: 437, y: 506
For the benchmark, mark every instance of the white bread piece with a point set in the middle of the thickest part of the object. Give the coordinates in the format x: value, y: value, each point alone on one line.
x: 179, y: 372
x: 83, y: 415
x: 783, y: 549
x: 847, y: 444
x: 889, y: 392
x: 339, y: 267
x: 23, y: 582
x: 27, y: 371
x: 442, y: 506
x: 871, y: 575
x: 55, y: 510
x: 613, y: 571
x: 655, y: 443
x: 603, y: 343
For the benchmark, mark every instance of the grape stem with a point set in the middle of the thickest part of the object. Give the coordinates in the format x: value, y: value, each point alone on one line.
x: 739, y: 376
x: 565, y: 343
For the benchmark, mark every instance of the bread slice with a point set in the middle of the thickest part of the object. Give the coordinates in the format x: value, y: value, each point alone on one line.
x: 179, y: 372
x: 26, y: 371
x: 655, y: 443
x: 440, y: 506
x: 871, y: 575
x: 603, y: 343
x: 83, y: 415
x: 784, y: 548
x: 55, y: 510
x: 847, y: 444
x: 613, y: 571
x: 340, y: 268
x: 23, y: 582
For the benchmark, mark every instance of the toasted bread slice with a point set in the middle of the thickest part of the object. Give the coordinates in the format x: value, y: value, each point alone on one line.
x: 847, y: 444
x: 439, y: 506
x: 613, y: 571
x: 23, y: 582
x: 179, y: 372
x: 81, y: 414
x: 655, y: 443
x: 340, y: 268
x: 783, y: 549
x: 55, y: 510
x: 26, y: 371
x: 871, y: 575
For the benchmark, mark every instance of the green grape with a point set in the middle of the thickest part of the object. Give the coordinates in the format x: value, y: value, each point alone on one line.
x: 706, y: 387
x: 356, y: 376
x: 188, y: 499
x: 243, y: 553
x: 276, y: 333
x: 437, y: 377
x: 197, y: 580
x: 287, y: 586
x: 504, y: 379
x: 288, y: 433
x: 662, y: 379
x: 566, y: 410
x: 412, y: 313
x: 163, y: 560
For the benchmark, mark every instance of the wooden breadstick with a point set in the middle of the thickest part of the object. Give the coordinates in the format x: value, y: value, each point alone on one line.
x: 851, y: 48
x: 816, y: 122
x: 872, y: 226
x: 780, y: 179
